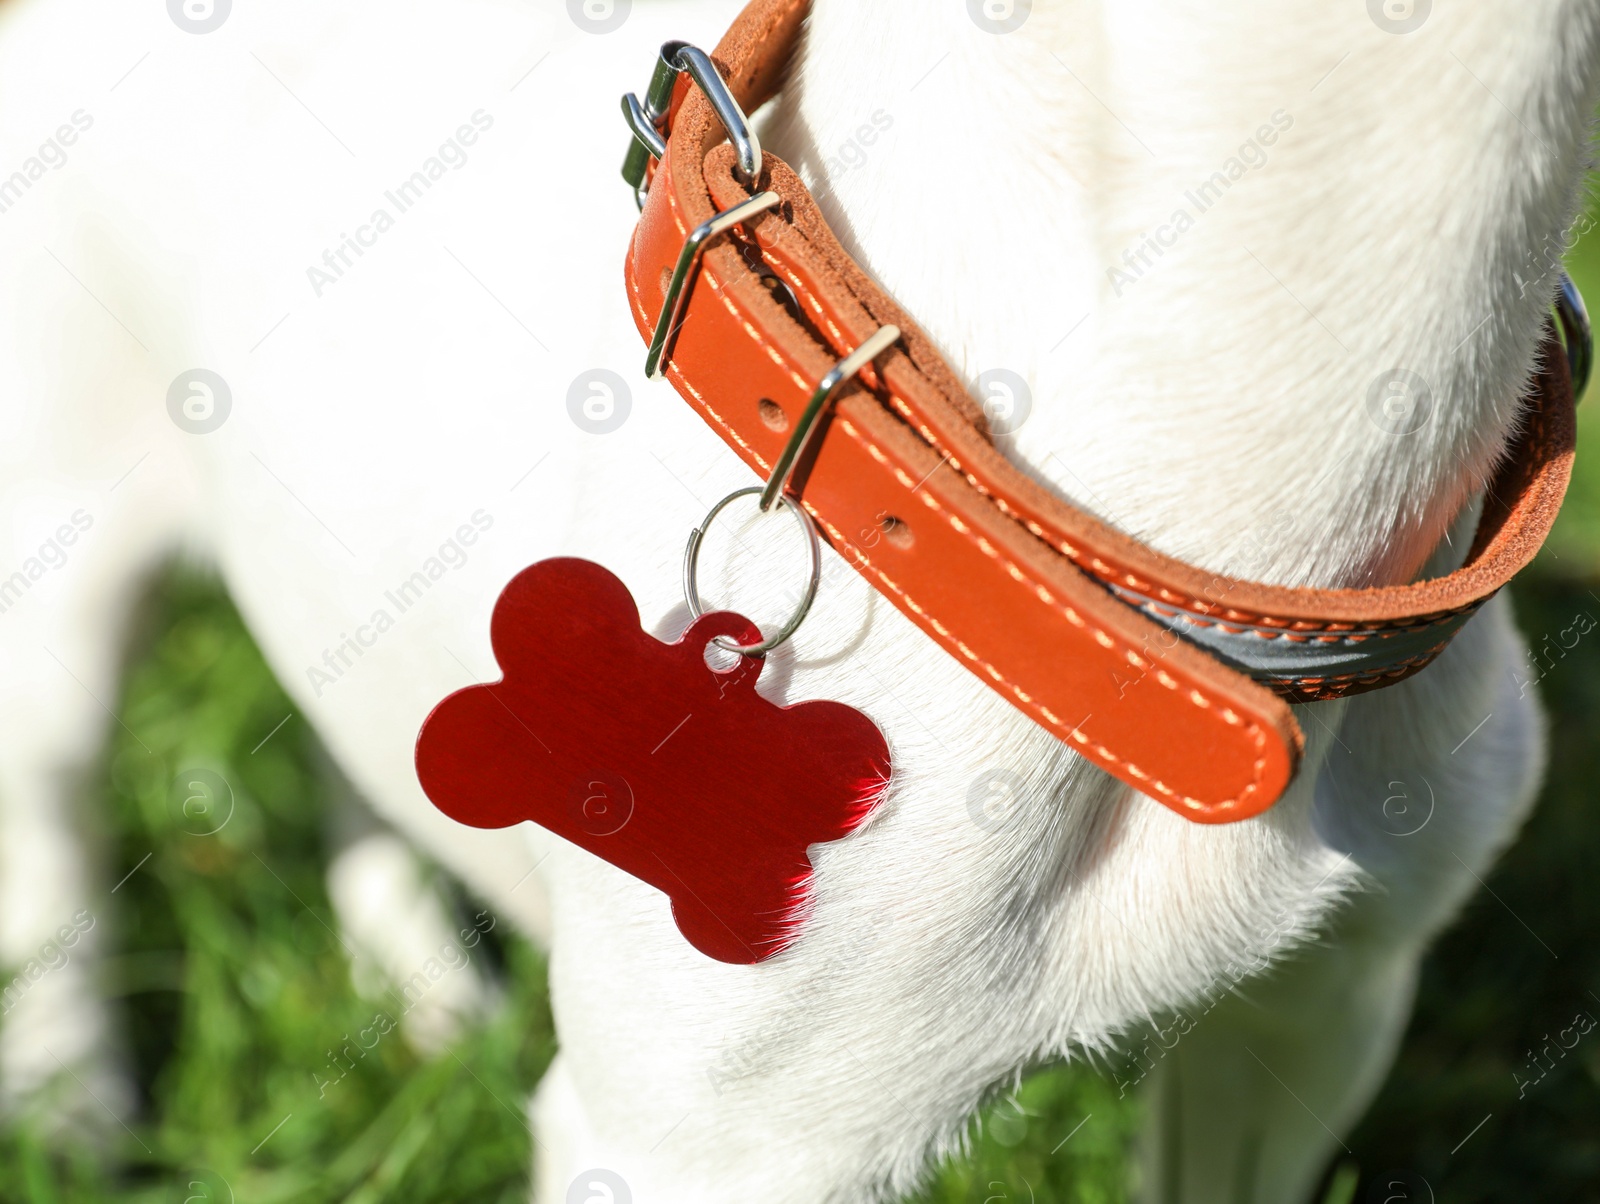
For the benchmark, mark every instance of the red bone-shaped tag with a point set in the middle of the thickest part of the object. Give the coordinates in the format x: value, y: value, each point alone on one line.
x: 641, y: 753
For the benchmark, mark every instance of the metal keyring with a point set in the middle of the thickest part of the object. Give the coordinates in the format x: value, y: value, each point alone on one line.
x: 691, y: 565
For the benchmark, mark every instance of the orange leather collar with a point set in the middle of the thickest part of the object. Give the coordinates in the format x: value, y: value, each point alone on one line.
x: 1120, y: 651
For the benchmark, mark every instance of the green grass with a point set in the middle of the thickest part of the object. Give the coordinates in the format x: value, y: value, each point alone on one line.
x: 233, y: 988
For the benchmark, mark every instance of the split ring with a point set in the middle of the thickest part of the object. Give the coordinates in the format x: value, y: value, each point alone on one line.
x: 691, y: 566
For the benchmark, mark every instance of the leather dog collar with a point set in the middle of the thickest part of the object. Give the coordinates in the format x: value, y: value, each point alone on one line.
x: 1174, y: 679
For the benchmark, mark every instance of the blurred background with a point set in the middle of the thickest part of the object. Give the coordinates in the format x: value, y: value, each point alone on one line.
x: 238, y: 1002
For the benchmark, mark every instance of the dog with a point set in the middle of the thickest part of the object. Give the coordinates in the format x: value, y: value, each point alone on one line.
x: 321, y: 294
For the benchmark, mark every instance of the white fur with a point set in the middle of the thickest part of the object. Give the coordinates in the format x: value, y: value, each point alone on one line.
x: 397, y: 930
x: 1204, y: 409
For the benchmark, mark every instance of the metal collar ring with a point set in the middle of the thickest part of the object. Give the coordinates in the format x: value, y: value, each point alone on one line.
x: 691, y: 567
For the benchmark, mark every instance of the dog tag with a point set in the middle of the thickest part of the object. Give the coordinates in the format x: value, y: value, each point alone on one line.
x: 641, y: 753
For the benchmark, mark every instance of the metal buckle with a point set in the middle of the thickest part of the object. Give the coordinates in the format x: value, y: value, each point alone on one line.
x: 1573, y: 316
x: 677, y: 297
x: 647, y: 119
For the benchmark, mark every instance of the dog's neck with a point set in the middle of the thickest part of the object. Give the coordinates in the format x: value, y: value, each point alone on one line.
x: 1201, y: 348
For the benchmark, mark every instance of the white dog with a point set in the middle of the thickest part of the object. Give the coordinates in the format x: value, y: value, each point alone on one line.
x: 201, y: 189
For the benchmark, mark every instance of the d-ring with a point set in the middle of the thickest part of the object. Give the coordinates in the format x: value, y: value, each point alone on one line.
x: 691, y: 566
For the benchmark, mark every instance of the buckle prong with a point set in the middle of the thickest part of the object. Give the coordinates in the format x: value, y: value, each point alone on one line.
x: 649, y: 138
